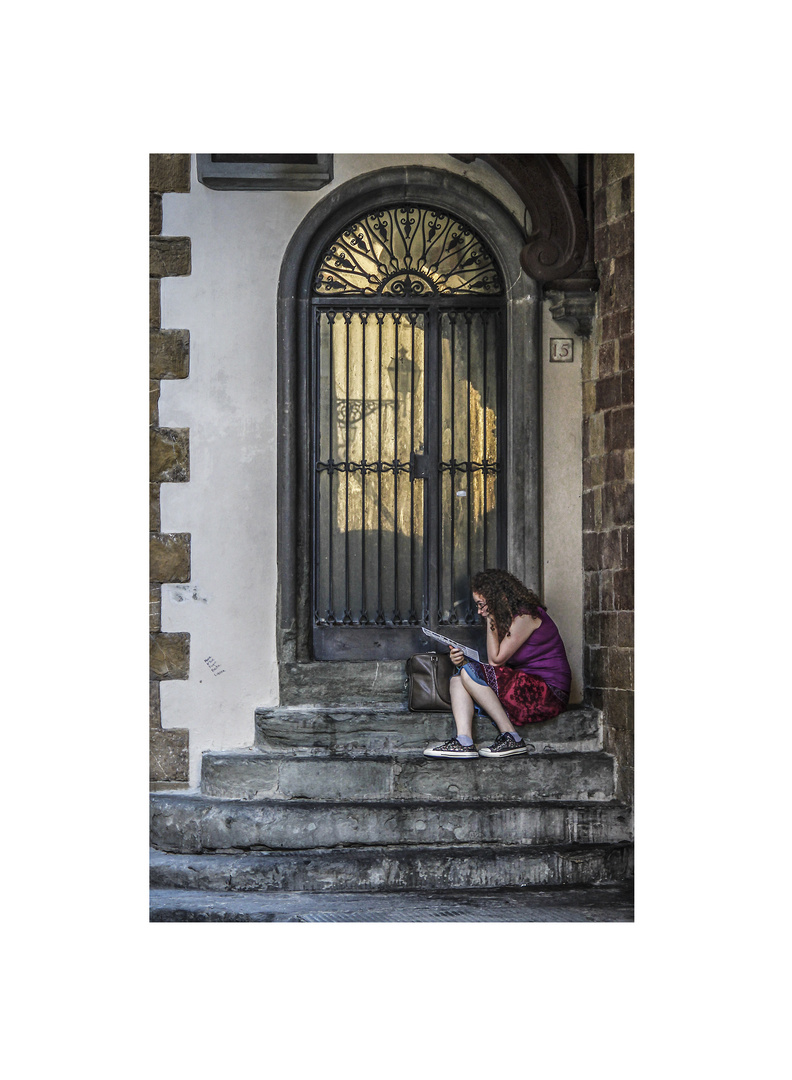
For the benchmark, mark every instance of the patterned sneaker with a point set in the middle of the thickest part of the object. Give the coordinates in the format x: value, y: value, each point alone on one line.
x: 452, y: 749
x: 504, y: 746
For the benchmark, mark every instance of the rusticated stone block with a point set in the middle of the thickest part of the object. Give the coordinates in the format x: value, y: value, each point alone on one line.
x: 590, y: 551
x: 626, y: 635
x: 617, y: 166
x: 608, y: 389
x: 614, y: 465
x: 623, y: 590
x: 592, y: 509
x: 169, y: 354
x: 594, y: 471
x: 606, y: 363
x: 154, y: 393
x: 155, y: 214
x: 627, y: 385
x: 155, y: 608
x: 619, y: 433
x: 169, y: 557
x: 629, y: 465
x: 627, y: 352
x: 627, y: 194
x: 610, y: 550
x: 155, y: 720
x: 620, y: 233
x: 597, y: 666
x: 589, y: 398
x: 169, y: 455
x: 609, y: 628
x: 591, y: 626
x: 617, y: 504
x: 169, y: 758
x: 628, y: 546
x: 169, y: 256
x: 154, y: 303
x: 169, y: 656
x: 620, y: 668
x: 154, y: 508
x: 624, y: 277
x: 607, y: 591
x: 594, y: 435
x: 591, y: 590
x: 169, y: 172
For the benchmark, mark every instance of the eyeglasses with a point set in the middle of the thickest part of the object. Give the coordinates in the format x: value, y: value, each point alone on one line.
x: 481, y: 604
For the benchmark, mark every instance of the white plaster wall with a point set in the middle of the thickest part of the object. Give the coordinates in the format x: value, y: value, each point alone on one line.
x: 562, y: 494
x: 229, y: 402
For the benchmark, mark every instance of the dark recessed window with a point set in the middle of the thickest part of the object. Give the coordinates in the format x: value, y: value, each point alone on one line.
x: 265, y: 172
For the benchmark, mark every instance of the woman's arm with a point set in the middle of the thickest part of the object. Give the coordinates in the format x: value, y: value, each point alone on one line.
x: 520, y: 630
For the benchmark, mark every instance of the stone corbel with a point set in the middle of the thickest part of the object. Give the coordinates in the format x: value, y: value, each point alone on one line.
x: 575, y: 309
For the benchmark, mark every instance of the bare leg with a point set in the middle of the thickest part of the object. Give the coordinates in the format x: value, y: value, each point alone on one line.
x: 462, y: 707
x: 488, y: 700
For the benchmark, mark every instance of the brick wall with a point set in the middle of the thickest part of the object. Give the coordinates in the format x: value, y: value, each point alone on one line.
x: 169, y: 462
x: 608, y: 536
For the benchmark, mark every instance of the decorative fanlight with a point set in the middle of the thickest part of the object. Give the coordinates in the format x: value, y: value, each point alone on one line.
x: 407, y: 251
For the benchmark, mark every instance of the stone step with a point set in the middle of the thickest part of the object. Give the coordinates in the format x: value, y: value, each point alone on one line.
x: 405, y: 775
x: 592, y: 903
x: 412, y: 868
x: 342, y: 682
x: 195, y: 823
x: 385, y: 728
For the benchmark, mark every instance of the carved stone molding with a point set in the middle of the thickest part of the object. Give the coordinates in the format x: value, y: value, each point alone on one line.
x: 557, y: 246
x: 576, y: 309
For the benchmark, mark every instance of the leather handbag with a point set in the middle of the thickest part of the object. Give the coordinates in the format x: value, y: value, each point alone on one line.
x: 428, y: 682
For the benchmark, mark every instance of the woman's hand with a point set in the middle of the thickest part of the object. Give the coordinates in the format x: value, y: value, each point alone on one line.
x: 457, y: 657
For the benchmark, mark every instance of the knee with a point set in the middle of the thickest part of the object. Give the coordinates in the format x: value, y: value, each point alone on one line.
x: 464, y: 675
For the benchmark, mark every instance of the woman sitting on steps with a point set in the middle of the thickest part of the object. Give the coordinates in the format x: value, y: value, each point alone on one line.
x: 527, y: 678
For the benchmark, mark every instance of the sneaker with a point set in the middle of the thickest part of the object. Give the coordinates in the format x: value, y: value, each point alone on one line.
x: 452, y: 749
x: 504, y: 746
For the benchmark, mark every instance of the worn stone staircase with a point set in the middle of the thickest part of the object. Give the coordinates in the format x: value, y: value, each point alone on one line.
x: 338, y: 797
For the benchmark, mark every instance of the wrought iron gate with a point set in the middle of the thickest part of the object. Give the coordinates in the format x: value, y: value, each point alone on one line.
x: 407, y: 355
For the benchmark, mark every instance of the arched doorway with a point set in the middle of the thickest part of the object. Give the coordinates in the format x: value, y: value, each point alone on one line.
x: 409, y: 408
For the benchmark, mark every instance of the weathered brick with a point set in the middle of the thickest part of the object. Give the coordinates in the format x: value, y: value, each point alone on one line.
x: 155, y: 214
x: 607, y: 591
x: 626, y: 316
x: 628, y: 547
x: 613, y: 208
x: 589, y: 398
x: 627, y: 190
x: 154, y: 393
x: 591, y: 591
x: 620, y: 235
x: 609, y: 628
x: 169, y: 455
x: 626, y: 636
x: 608, y: 389
x: 618, y: 425
x: 590, y: 551
x: 610, y: 326
x: 610, y: 550
x: 617, y: 504
x: 620, y: 668
x: 614, y: 465
x: 589, y: 364
x: 600, y: 205
x: 594, y: 471
x: 169, y: 172
x: 594, y: 435
x: 618, y: 707
x: 169, y: 256
x: 155, y: 608
x: 617, y: 166
x: 629, y: 464
x: 627, y: 386
x: 627, y: 353
x: 602, y: 249
x: 154, y: 705
x: 591, y: 628
x: 169, y: 557
x: 154, y: 508
x: 623, y: 592
x: 169, y: 758
x: 597, y: 666
x: 154, y: 303
x: 169, y: 354
x: 169, y: 656
x: 623, y: 278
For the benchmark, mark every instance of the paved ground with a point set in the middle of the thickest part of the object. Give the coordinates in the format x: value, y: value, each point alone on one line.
x: 594, y: 904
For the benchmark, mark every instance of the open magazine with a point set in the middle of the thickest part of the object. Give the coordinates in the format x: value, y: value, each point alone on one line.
x: 470, y: 653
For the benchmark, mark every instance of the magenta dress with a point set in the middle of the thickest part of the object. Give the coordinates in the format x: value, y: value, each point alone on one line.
x: 534, y: 682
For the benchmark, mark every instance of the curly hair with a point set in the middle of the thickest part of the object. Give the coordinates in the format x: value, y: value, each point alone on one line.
x: 506, y: 598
